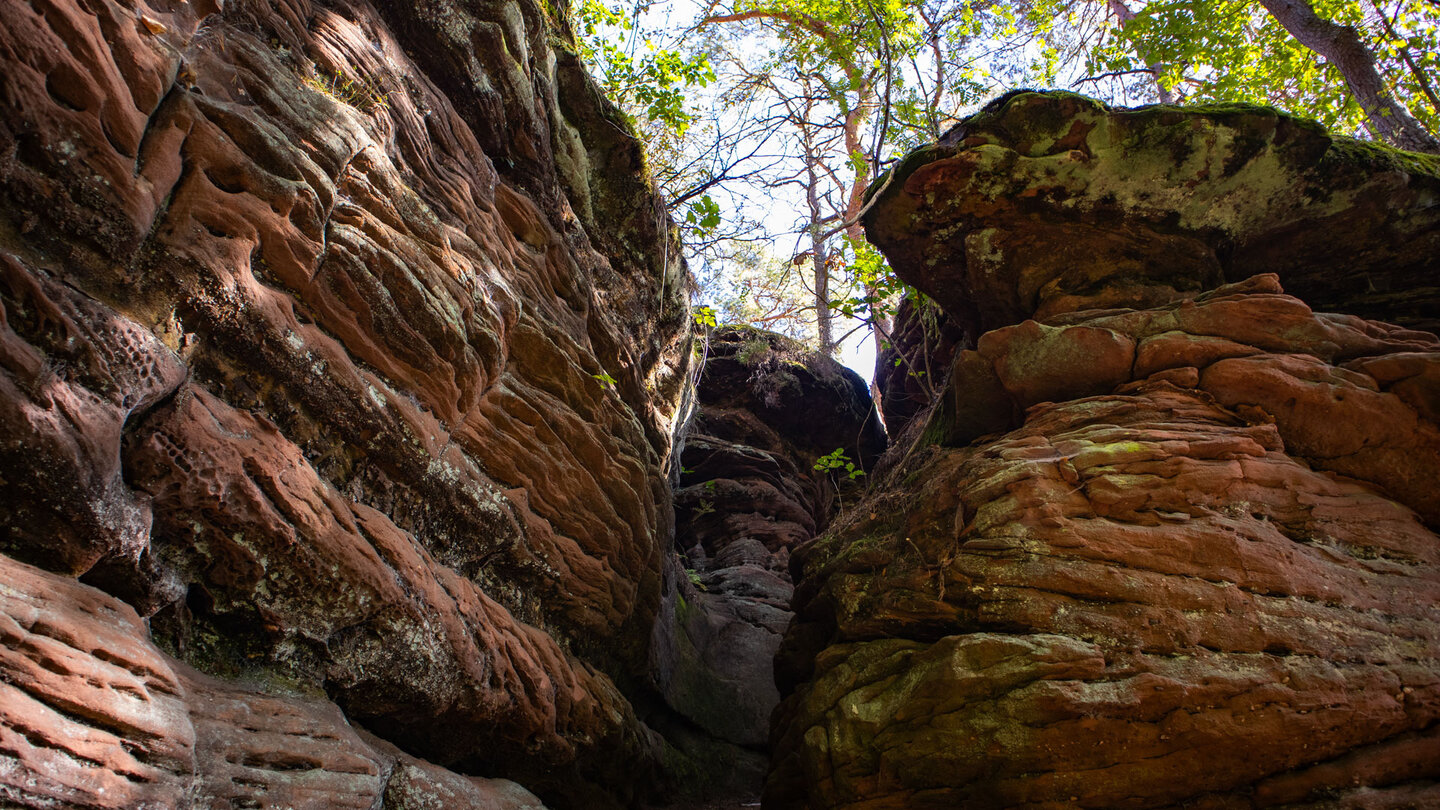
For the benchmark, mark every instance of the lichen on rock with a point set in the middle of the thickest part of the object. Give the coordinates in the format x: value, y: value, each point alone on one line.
x: 1159, y: 540
x: 1047, y: 202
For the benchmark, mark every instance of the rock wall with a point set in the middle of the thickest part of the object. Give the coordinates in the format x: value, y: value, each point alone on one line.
x: 327, y: 407
x: 749, y: 493
x: 1160, y: 541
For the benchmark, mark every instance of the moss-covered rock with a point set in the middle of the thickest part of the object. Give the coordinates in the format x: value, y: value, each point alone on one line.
x: 1044, y: 203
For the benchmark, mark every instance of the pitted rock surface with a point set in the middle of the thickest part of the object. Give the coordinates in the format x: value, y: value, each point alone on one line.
x: 345, y: 342
x: 96, y: 716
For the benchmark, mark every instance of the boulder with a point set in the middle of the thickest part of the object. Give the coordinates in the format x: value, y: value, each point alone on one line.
x: 1044, y: 203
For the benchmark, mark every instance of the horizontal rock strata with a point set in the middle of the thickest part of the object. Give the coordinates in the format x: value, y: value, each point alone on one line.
x: 1157, y: 543
x: 1138, y: 597
x: 96, y: 716
x: 314, y: 353
x: 749, y: 493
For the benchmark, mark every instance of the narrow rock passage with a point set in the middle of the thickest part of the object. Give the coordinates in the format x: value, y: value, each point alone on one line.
x: 749, y: 494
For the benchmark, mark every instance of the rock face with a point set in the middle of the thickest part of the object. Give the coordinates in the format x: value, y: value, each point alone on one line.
x: 768, y: 410
x: 315, y: 354
x: 910, y: 370
x: 94, y: 715
x: 1051, y: 202
x: 1162, y: 544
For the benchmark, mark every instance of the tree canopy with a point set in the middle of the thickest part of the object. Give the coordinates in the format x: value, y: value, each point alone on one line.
x: 755, y: 108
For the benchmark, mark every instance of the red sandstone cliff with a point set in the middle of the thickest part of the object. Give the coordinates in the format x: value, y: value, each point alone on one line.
x: 342, y: 355
x: 318, y: 374
x: 1157, y: 542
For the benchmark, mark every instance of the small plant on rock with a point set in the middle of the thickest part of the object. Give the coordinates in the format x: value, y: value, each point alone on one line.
x: 837, y: 462
x: 364, y: 95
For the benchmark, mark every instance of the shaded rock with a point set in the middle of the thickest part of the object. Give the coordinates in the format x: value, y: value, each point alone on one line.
x: 1045, y: 203
x: 910, y: 370
x: 768, y: 409
x: 374, y: 301
x: 286, y: 569
x: 73, y: 375
x: 793, y: 396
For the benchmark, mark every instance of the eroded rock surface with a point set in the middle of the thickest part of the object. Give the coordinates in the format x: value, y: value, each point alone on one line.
x: 1154, y: 546
x: 1051, y: 202
x: 94, y: 715
x: 1143, y: 588
x: 315, y: 353
x: 768, y: 409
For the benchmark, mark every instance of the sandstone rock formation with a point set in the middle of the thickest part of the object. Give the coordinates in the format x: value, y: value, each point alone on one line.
x: 1051, y: 202
x: 749, y: 493
x: 315, y: 355
x: 910, y: 369
x: 1160, y: 543
x: 94, y: 715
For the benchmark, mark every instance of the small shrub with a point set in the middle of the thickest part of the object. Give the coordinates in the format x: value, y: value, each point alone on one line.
x: 753, y: 352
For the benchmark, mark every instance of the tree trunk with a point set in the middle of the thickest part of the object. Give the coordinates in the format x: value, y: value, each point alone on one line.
x: 1341, y: 46
x: 819, y: 255
x: 824, y: 319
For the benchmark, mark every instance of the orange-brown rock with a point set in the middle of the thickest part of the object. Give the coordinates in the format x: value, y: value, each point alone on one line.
x: 91, y: 713
x: 95, y: 716
x: 1159, y: 542
x: 345, y: 342
x: 1147, y: 596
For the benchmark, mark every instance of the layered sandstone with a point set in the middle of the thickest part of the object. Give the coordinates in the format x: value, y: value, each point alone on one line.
x: 1045, y: 203
x: 1159, y: 543
x: 749, y: 493
x: 345, y: 342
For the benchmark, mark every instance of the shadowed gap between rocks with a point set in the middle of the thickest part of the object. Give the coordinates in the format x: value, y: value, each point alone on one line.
x: 748, y: 494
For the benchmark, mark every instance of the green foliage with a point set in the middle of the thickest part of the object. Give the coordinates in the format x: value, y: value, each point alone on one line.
x: 747, y: 283
x: 876, y: 289
x: 646, y: 80
x: 1233, y: 50
x: 843, y: 86
x: 605, y: 379
x: 703, y: 215
x: 704, y: 316
x: 838, y: 463
x: 364, y: 94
